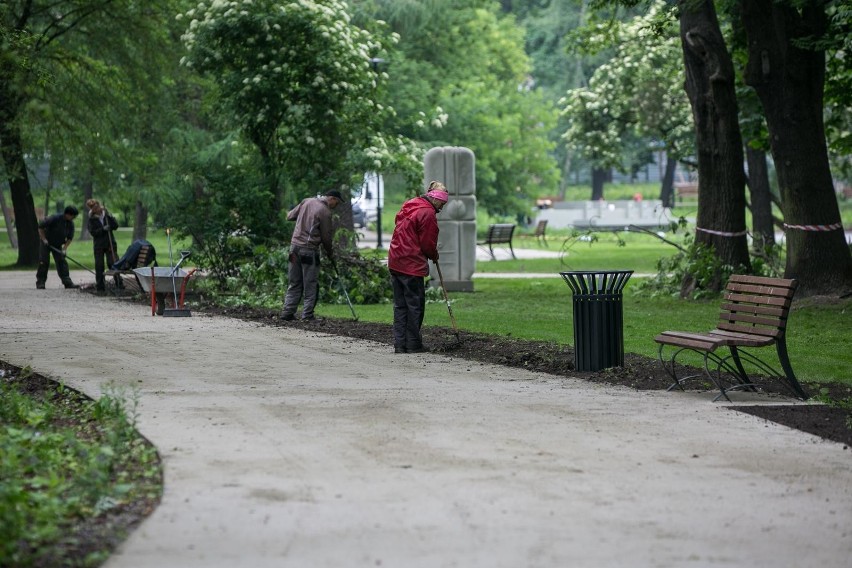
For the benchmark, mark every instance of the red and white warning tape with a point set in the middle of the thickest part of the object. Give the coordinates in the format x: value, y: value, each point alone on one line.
x: 722, y: 233
x: 832, y: 227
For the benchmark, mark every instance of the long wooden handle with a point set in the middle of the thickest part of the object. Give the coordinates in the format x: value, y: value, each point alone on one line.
x: 447, y: 299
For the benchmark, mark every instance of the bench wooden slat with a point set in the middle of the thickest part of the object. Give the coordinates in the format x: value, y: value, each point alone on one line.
x: 758, y: 300
x: 692, y: 340
x: 744, y: 339
x: 766, y: 331
x: 753, y: 309
x: 764, y: 280
x: 746, y: 319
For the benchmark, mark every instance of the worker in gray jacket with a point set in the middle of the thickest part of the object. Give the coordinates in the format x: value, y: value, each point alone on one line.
x: 313, y: 229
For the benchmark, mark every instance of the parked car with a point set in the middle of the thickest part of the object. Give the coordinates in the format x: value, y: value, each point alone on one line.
x: 359, y: 216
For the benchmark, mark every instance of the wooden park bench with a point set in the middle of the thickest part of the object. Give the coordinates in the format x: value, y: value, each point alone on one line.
x: 540, y: 228
x: 499, y: 234
x: 686, y: 189
x: 146, y: 256
x: 753, y: 315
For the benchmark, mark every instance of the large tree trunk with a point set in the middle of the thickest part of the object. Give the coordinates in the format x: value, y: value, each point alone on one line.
x: 761, y: 199
x: 790, y: 81
x: 7, y: 218
x: 710, y: 87
x: 88, y: 191
x: 140, y: 225
x: 667, y: 184
x: 26, y: 224
x: 12, y: 152
x: 566, y: 173
x: 598, y: 179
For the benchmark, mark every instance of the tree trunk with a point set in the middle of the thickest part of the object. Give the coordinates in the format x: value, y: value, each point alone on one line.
x: 12, y: 151
x: 26, y: 224
x: 7, y: 217
x: 598, y: 179
x: 667, y: 184
x: 566, y: 173
x: 761, y: 199
x: 790, y: 81
x: 710, y: 87
x: 140, y: 225
x: 88, y: 191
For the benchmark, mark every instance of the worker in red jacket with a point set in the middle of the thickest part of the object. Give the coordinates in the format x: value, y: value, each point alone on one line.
x: 413, y: 244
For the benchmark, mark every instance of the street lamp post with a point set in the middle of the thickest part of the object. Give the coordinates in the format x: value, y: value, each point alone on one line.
x: 374, y: 63
x: 378, y: 210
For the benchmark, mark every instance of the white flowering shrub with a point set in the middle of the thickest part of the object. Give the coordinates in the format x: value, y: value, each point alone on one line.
x: 296, y: 77
x: 637, y: 92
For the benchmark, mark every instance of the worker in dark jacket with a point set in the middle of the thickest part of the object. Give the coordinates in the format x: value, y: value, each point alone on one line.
x: 313, y: 229
x: 101, y: 227
x: 56, y: 233
x: 414, y: 242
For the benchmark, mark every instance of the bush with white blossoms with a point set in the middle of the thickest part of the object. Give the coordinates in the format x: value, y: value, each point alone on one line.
x: 640, y: 90
x: 296, y: 78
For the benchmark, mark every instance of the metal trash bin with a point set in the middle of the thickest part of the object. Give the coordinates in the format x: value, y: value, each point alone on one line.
x: 598, y: 317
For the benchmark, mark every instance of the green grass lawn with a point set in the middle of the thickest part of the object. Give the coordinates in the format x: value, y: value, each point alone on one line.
x: 639, y: 253
x: 540, y: 309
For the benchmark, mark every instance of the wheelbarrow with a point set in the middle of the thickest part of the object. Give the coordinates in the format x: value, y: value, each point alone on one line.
x: 159, y: 280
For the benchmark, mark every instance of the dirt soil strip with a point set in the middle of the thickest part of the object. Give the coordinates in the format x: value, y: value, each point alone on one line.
x: 288, y: 447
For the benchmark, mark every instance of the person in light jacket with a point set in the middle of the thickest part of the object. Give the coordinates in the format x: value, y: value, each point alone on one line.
x: 414, y: 242
x: 313, y: 229
x: 101, y: 227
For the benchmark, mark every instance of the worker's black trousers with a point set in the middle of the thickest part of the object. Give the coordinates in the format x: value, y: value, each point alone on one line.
x: 111, y: 258
x: 44, y: 253
x: 409, y: 307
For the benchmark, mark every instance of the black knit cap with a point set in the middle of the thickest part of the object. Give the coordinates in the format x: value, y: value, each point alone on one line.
x: 334, y: 193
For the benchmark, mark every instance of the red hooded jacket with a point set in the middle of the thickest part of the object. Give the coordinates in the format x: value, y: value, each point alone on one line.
x: 415, y: 238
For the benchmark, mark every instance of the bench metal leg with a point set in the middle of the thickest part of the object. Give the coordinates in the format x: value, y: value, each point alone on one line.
x: 787, y: 378
x: 741, y: 374
x: 781, y: 347
x: 707, y: 357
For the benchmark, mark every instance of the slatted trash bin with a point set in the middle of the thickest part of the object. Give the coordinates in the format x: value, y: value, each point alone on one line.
x: 598, y: 317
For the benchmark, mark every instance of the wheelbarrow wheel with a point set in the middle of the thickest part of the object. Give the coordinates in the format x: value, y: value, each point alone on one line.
x: 161, y: 304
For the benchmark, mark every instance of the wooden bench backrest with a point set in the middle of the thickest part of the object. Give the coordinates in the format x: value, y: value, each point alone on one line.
x: 500, y: 233
x: 540, y: 228
x: 144, y: 253
x: 757, y: 305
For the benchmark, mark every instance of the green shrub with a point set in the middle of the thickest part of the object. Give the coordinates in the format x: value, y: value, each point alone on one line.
x: 62, y: 458
x: 694, y: 272
x: 262, y: 282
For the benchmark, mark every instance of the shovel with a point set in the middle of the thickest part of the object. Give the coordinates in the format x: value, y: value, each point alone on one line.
x: 447, y: 299
x: 184, y: 254
x: 345, y: 293
x: 176, y: 312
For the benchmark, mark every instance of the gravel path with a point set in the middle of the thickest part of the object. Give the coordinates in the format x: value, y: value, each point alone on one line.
x: 289, y: 448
